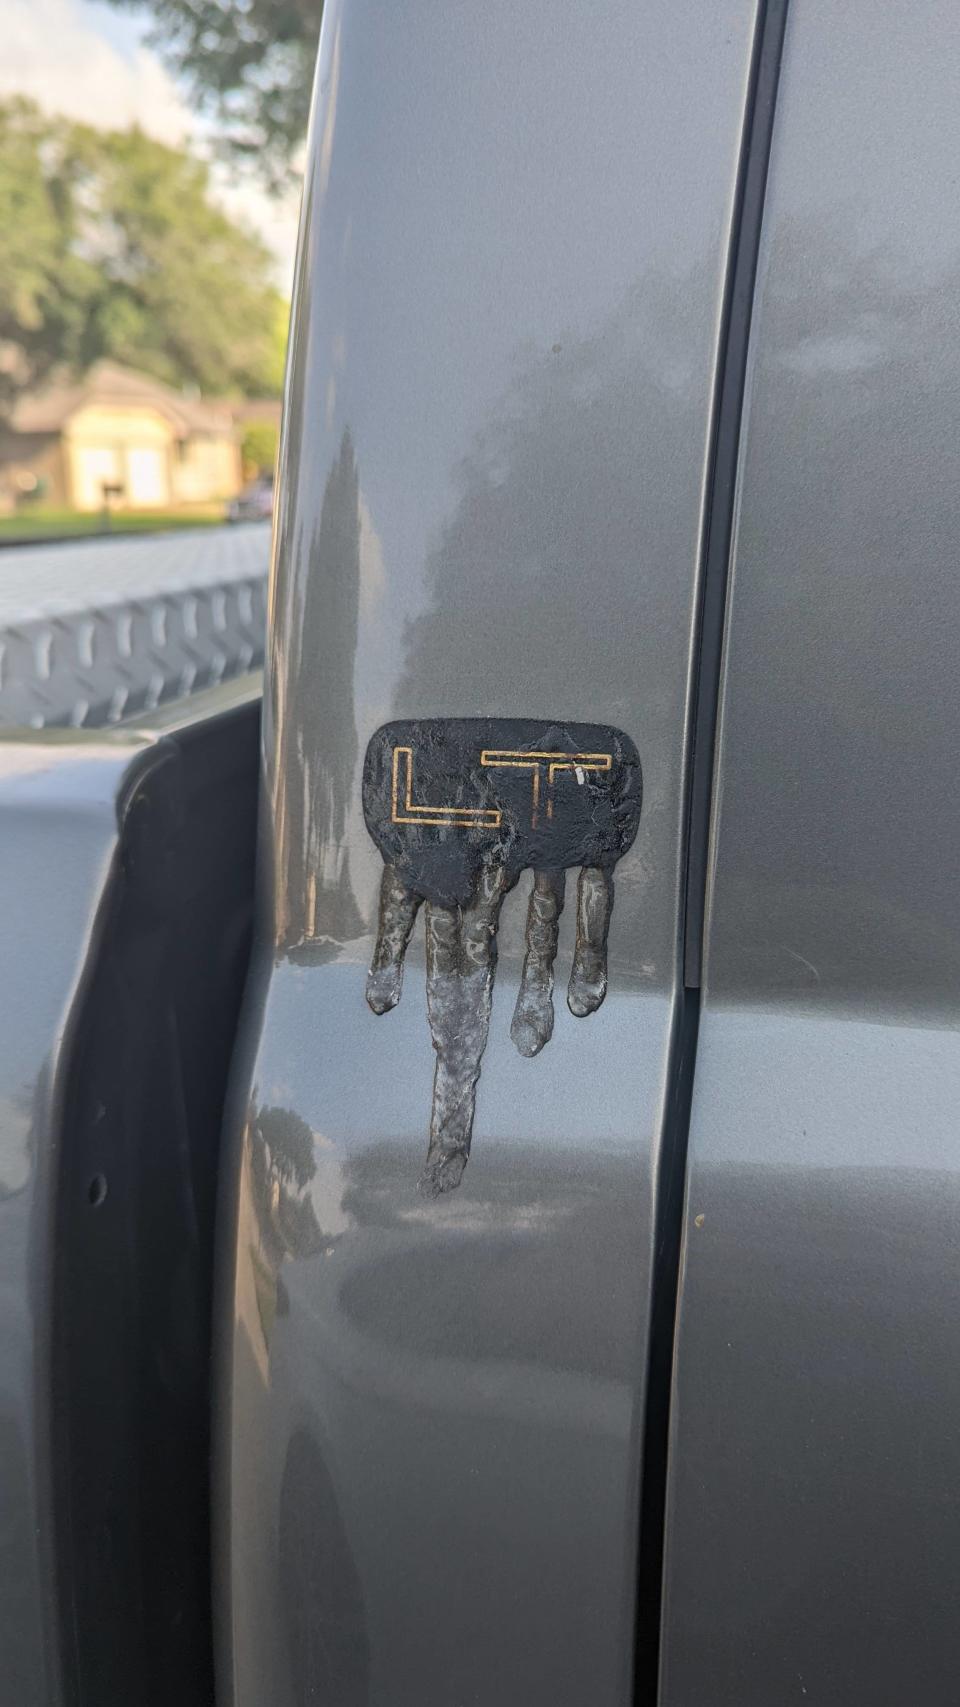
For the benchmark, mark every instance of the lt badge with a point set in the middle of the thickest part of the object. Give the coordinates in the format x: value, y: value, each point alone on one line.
x: 458, y: 808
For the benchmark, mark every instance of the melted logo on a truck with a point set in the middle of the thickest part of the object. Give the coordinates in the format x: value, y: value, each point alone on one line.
x: 459, y: 808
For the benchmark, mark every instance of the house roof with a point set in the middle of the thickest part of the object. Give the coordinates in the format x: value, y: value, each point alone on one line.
x: 255, y: 409
x: 50, y: 407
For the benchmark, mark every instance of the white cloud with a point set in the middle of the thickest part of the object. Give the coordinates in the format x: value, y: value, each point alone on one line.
x: 87, y: 62
x: 273, y: 218
x: 53, y: 53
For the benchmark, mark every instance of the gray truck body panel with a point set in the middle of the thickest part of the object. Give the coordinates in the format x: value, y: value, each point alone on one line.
x: 512, y: 264
x: 813, y: 1512
x: 126, y: 869
x: 617, y: 520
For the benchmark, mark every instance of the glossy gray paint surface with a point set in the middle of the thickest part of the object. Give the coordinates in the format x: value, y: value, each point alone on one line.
x: 62, y: 799
x: 813, y: 1509
x: 512, y: 256
x: 58, y: 831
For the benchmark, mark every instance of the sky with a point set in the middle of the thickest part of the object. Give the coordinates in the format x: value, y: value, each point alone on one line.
x: 88, y: 61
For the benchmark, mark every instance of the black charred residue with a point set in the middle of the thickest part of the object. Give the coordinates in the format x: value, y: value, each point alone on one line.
x: 593, y: 822
x: 458, y: 809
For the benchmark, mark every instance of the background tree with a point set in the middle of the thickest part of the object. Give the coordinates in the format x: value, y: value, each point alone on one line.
x: 258, y: 446
x: 45, y: 281
x: 250, y: 65
x: 111, y: 246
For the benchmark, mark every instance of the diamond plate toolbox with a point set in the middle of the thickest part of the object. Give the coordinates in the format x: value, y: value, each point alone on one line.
x: 96, y: 632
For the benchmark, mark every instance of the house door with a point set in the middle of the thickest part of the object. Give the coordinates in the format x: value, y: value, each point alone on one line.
x: 148, y: 481
x: 96, y: 466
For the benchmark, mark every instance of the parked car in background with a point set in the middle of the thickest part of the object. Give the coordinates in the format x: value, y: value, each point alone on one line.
x: 254, y: 503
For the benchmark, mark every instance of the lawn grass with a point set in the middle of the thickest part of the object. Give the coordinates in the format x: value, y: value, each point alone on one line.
x: 78, y: 524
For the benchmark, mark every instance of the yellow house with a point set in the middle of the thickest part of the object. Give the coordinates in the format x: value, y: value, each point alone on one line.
x: 121, y: 438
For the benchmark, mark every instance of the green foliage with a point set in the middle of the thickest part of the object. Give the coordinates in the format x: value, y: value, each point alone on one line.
x: 259, y: 446
x: 251, y: 65
x: 110, y: 246
x: 43, y: 523
x: 45, y: 280
x: 277, y: 356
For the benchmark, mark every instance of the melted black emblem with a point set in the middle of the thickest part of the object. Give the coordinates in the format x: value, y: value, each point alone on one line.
x: 458, y: 808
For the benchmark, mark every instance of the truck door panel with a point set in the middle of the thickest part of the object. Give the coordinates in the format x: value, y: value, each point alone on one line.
x: 498, y: 430
x: 813, y: 1471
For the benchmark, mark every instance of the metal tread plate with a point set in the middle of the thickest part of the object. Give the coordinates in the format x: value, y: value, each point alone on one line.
x: 96, y: 632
